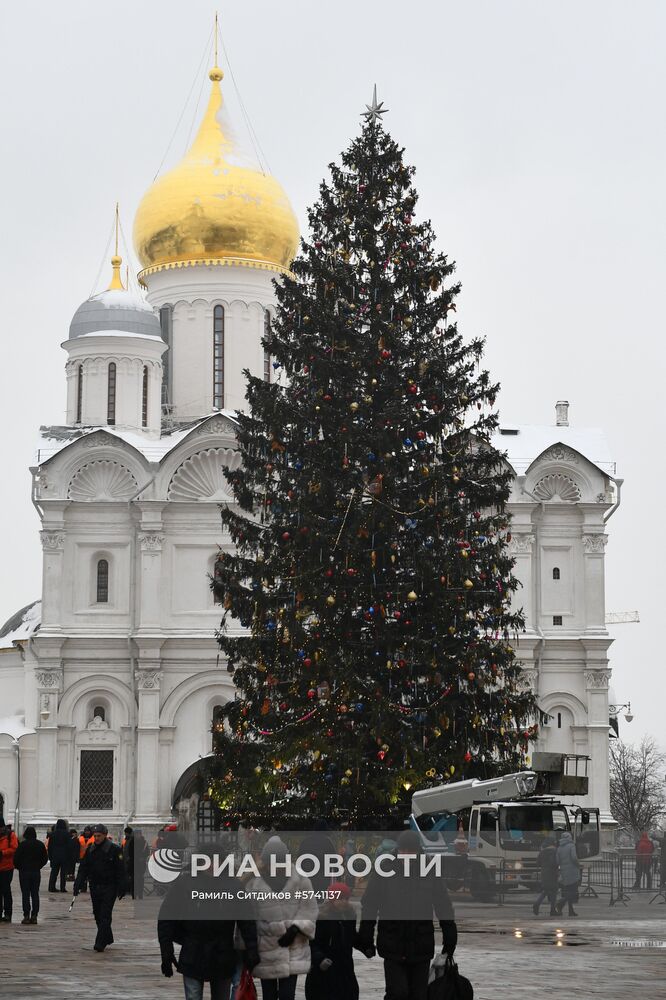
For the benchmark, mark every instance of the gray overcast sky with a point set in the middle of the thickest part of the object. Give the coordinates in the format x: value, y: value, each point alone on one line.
x: 537, y: 130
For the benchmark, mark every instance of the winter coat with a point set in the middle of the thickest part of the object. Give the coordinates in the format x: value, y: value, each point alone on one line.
x: 644, y: 848
x: 102, y: 865
x: 207, y: 945
x: 8, y: 845
x: 30, y: 856
x: 274, y: 917
x: 334, y: 939
x: 549, y: 868
x: 60, y: 845
x: 416, y: 896
x: 567, y: 859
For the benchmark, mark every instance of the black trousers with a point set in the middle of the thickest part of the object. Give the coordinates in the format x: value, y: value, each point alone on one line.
x: 58, y: 868
x: 103, y: 898
x: 279, y: 989
x: 6, y: 893
x: 406, y: 980
x: 29, y: 882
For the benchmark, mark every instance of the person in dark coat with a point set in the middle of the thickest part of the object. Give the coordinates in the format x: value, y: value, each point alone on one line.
x: 60, y: 853
x: 74, y: 853
x: 569, y: 865
x: 137, y: 852
x: 102, y: 869
x: 207, y: 951
x: 403, y: 905
x: 549, y: 876
x: 29, y: 859
x: 332, y: 975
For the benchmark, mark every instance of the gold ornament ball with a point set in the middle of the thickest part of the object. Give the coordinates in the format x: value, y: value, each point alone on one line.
x: 412, y: 596
x: 348, y: 773
x: 353, y: 407
x: 468, y: 584
x: 330, y: 599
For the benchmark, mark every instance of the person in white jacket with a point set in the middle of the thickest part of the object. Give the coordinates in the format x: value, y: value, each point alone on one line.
x: 285, y: 925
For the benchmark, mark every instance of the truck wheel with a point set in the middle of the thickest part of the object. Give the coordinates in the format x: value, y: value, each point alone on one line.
x: 480, y: 886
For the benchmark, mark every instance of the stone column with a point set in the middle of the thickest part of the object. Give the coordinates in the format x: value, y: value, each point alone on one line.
x: 49, y: 681
x: 53, y: 546
x: 148, y: 681
x: 596, y: 684
x: 150, y: 576
x: 595, y: 596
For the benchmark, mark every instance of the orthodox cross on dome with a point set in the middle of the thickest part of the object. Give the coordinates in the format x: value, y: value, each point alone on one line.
x: 116, y: 261
x: 375, y: 110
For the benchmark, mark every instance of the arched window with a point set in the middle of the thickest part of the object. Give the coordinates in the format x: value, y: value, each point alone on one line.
x: 103, y: 581
x: 218, y: 357
x: 99, y: 712
x: 79, y: 393
x: 144, y: 398
x: 166, y: 323
x: 218, y: 721
x: 559, y: 720
x: 217, y: 574
x: 556, y: 573
x: 111, y: 395
x: 267, y: 351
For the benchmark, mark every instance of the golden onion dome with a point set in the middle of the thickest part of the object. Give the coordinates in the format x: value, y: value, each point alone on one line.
x: 214, y: 207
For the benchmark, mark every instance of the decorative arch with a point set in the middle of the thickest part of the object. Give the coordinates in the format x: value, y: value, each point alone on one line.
x: 100, y: 686
x: 563, y: 699
x: 102, y: 479
x: 557, y: 487
x: 200, y: 477
x: 209, y: 680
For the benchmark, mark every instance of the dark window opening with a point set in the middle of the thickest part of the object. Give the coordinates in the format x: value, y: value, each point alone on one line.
x: 103, y: 581
x: 557, y: 619
x: 96, y: 779
x: 217, y: 576
x: 267, y: 351
x: 79, y: 393
x: 144, y: 398
x: 556, y: 573
x: 111, y: 396
x: 166, y: 323
x: 99, y: 712
x: 218, y: 357
x: 559, y: 720
x: 218, y: 721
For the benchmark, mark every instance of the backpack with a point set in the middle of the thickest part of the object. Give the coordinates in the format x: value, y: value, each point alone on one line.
x: 447, y: 983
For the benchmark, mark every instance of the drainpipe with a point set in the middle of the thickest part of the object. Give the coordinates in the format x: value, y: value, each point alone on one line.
x: 618, y: 501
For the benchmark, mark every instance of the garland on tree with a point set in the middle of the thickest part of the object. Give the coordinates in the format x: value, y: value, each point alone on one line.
x: 368, y: 620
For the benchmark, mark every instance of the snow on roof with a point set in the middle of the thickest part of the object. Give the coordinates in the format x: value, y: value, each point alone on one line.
x: 53, y: 439
x: 118, y: 333
x: 14, y: 725
x: 523, y: 443
x: 21, y: 625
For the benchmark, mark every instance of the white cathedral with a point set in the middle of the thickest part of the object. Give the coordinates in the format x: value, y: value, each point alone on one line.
x: 110, y: 684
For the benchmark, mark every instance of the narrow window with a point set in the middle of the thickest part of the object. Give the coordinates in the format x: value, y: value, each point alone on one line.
x: 217, y: 576
x: 556, y: 573
x: 99, y: 712
x: 218, y: 358
x: 559, y: 720
x: 111, y: 396
x: 557, y: 619
x: 79, y: 393
x: 144, y: 398
x: 218, y: 722
x: 267, y: 350
x: 103, y: 581
x: 96, y: 779
x: 166, y: 322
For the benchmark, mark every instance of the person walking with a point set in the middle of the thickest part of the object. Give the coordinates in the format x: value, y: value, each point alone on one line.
x: 74, y: 852
x: 548, y: 867
x: 8, y: 845
x: 29, y: 859
x: 332, y: 975
x: 137, y: 856
x: 60, y: 852
x: 644, y: 852
x: 102, y: 869
x: 402, y: 906
x: 569, y: 865
x: 286, y: 923
x: 206, y: 931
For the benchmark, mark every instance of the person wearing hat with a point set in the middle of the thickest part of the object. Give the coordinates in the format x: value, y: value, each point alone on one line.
x: 332, y: 975
x: 285, y: 923
x: 30, y: 858
x: 402, y: 906
x: 102, y: 869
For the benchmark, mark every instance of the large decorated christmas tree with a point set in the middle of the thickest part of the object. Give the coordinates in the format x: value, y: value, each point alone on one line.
x: 368, y: 620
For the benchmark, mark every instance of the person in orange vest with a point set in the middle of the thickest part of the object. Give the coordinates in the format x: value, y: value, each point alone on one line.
x: 8, y: 845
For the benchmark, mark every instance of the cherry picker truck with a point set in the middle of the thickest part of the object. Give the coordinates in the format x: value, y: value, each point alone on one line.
x: 490, y: 831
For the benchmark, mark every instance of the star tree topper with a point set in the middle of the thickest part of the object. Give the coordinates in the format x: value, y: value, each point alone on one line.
x: 375, y: 110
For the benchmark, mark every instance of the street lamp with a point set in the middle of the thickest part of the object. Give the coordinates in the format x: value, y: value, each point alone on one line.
x: 614, y: 711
